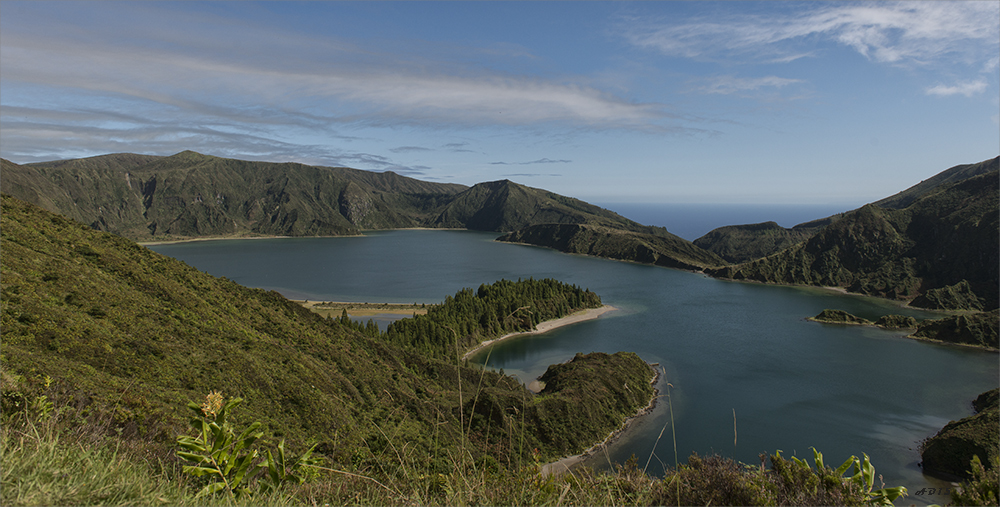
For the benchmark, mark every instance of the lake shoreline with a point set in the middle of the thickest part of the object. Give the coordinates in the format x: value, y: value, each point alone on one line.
x: 565, y: 464
x: 546, y: 326
x: 360, y: 234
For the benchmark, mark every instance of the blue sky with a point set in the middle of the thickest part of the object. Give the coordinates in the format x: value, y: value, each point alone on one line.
x: 740, y: 102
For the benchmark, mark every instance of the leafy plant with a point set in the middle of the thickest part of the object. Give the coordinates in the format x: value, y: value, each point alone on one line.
x: 863, y: 478
x: 288, y: 469
x: 984, y: 486
x: 216, y: 450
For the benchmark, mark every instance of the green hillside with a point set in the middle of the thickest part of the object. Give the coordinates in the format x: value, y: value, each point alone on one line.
x: 614, y: 243
x: 505, y: 206
x: 126, y: 336
x: 741, y: 243
x: 952, y: 175
x: 191, y: 195
x: 947, y: 454
x: 946, y: 238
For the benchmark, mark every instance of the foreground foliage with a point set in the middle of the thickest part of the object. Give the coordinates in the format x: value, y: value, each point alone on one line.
x: 50, y: 461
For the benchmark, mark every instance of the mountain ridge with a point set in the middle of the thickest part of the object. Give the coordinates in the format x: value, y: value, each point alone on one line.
x: 948, y: 235
x: 190, y: 195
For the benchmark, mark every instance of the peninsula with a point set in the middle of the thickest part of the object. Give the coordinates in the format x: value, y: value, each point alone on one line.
x: 546, y: 326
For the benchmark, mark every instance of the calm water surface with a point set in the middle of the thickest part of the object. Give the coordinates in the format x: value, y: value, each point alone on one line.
x: 726, y: 348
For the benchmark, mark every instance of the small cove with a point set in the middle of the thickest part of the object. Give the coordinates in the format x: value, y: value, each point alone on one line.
x: 723, y: 346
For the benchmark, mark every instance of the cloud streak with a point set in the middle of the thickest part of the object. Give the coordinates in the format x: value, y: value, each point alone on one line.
x: 967, y: 89
x: 910, y: 32
x: 533, y: 162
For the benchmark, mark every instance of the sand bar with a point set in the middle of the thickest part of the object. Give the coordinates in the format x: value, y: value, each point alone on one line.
x: 548, y: 325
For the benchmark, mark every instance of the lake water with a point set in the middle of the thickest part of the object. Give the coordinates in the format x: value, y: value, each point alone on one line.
x: 726, y: 348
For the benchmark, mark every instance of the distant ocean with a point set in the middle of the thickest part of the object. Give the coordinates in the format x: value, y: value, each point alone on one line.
x: 692, y: 221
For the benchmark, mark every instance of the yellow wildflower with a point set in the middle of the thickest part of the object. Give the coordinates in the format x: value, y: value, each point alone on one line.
x: 212, y: 404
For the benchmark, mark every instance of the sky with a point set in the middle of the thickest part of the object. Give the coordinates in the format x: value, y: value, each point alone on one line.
x: 644, y: 102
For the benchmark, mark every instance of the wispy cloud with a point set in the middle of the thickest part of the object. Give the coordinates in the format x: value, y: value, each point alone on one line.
x: 364, y: 85
x: 903, y: 32
x: 967, y: 89
x: 530, y: 175
x: 533, y: 162
x: 253, y: 89
x: 409, y: 149
x: 726, y: 85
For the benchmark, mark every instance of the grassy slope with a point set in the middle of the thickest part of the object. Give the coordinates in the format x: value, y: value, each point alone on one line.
x: 942, y: 238
x: 948, y: 176
x: 123, y: 333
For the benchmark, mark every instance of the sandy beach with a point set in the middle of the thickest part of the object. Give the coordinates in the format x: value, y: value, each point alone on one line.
x: 548, y: 325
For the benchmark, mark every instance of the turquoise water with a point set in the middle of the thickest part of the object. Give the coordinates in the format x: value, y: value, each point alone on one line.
x: 724, y: 347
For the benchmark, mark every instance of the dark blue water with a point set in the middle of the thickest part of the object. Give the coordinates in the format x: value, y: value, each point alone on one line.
x: 692, y: 221
x: 725, y: 347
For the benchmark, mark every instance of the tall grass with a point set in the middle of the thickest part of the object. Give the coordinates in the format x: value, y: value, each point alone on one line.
x: 49, y: 459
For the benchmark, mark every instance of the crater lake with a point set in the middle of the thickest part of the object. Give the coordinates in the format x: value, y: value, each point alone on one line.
x: 747, y: 373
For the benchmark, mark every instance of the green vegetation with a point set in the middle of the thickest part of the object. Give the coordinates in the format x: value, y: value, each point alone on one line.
x: 467, y: 319
x: 978, y: 329
x: 741, y: 243
x: 948, y: 453
x: 47, y: 463
x: 190, y: 195
x: 945, y: 238
x: 982, y: 487
x: 959, y: 295
x: 125, y: 335
x: 839, y: 317
x: 948, y: 176
x: 896, y: 322
x: 661, y: 249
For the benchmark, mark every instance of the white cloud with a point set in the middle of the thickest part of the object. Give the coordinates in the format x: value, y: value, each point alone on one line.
x: 968, y: 89
x: 898, y: 32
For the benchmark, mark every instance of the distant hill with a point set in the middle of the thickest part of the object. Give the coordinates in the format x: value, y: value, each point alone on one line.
x: 740, y: 243
x: 952, y: 175
x: 504, y: 206
x: 945, y: 240
x: 662, y: 250
x: 123, y: 335
x: 190, y: 195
